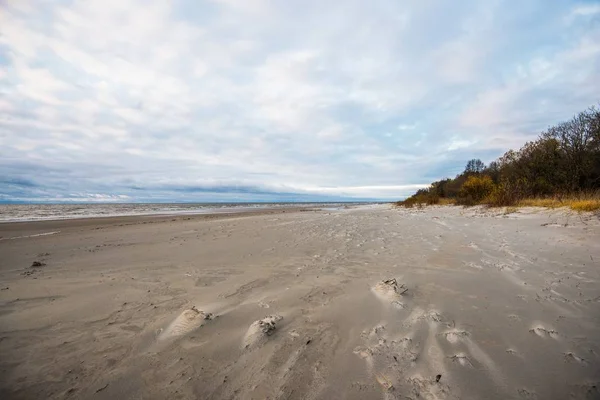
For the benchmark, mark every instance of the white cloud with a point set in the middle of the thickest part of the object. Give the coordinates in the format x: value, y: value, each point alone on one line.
x: 586, y: 10
x: 541, y: 89
x: 406, y: 127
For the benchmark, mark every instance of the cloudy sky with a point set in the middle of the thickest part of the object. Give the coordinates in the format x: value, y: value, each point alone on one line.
x: 246, y: 100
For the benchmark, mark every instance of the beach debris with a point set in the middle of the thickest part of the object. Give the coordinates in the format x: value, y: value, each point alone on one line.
x: 268, y: 324
x: 102, y: 388
x: 186, y: 322
x: 261, y: 329
x: 438, y: 377
x: 384, y: 382
x: 37, y: 264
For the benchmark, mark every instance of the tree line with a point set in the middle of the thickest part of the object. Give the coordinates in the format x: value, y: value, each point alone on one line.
x: 563, y: 161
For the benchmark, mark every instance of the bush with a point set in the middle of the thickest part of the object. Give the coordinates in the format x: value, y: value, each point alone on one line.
x: 432, y: 199
x: 503, y: 195
x: 475, y: 189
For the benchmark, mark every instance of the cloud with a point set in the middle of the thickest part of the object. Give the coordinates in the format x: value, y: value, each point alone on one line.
x: 200, y: 100
x: 585, y: 10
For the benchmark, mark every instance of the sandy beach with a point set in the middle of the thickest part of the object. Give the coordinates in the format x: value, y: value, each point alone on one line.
x: 362, y: 303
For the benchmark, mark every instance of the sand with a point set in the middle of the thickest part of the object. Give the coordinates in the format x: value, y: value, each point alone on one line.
x: 364, y: 303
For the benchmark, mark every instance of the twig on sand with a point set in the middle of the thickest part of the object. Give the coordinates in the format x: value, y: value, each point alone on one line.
x: 102, y: 388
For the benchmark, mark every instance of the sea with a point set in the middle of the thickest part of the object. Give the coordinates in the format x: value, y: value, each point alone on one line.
x: 41, y: 212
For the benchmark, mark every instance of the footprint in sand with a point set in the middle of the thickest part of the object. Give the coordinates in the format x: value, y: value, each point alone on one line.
x: 432, y: 316
x: 455, y: 335
x: 429, y: 389
x: 399, y: 305
x: 262, y: 304
x: 588, y: 390
x: 185, y: 323
x: 260, y: 330
x: 374, y: 333
x: 462, y: 359
x: 388, y: 359
x: 544, y: 332
x: 390, y: 290
x: 527, y: 394
x: 571, y: 357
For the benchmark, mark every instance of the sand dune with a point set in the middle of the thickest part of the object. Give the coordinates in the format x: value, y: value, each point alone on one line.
x: 187, y: 322
x: 364, y: 303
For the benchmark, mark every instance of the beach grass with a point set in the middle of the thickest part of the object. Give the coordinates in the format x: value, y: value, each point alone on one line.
x: 581, y: 203
x: 585, y: 202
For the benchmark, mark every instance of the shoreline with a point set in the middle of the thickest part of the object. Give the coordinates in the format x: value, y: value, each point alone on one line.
x: 16, y: 213
x: 38, y: 227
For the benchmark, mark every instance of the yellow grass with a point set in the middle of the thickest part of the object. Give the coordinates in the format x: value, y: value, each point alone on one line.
x: 581, y: 203
x: 577, y: 203
x: 446, y: 202
x: 585, y: 205
x: 537, y: 202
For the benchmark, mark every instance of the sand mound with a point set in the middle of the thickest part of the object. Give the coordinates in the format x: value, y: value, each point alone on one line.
x: 544, y: 332
x: 260, y: 330
x: 455, y: 336
x: 390, y: 290
x: 185, y: 323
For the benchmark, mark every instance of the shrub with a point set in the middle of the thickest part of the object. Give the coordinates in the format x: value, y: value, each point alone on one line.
x: 444, y: 201
x: 432, y: 199
x: 475, y: 189
x: 503, y: 195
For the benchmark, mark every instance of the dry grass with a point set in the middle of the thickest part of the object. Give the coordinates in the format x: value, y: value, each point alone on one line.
x: 584, y: 202
x: 581, y: 203
x: 447, y: 202
x: 542, y: 202
x: 585, y: 205
x: 424, y: 202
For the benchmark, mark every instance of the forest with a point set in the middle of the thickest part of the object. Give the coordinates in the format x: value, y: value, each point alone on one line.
x: 561, y: 168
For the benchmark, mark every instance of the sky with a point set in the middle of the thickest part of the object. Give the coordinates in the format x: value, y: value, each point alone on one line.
x: 289, y: 100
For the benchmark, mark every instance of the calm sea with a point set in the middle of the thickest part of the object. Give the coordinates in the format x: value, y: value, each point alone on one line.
x: 39, y: 212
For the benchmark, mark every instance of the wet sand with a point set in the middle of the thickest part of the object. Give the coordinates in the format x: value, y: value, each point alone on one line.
x: 364, y: 303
